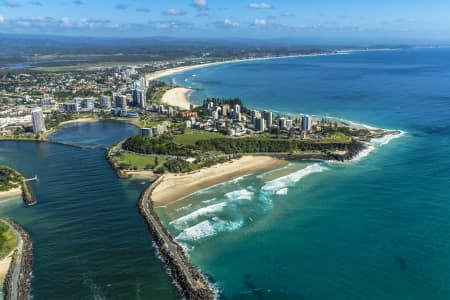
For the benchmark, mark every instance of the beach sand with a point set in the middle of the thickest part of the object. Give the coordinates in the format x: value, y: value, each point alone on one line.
x: 163, y: 73
x: 13, y: 193
x: 172, y: 71
x: 174, y: 187
x: 4, y: 267
x: 178, y: 97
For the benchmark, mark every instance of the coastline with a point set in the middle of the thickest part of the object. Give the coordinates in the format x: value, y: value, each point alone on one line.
x: 178, y: 97
x: 174, y: 187
x: 17, y: 283
x: 13, y: 193
x: 189, y: 280
x: 172, y: 71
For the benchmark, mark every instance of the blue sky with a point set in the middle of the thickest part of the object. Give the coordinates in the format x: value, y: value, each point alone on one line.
x: 337, y: 20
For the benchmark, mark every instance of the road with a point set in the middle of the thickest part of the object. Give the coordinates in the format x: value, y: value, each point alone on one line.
x: 13, y: 293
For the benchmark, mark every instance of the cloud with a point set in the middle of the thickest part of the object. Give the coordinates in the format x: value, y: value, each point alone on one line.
x: 142, y: 10
x: 260, y: 22
x: 78, y: 2
x: 200, y: 4
x: 260, y: 5
x: 287, y: 14
x: 11, y: 3
x: 121, y: 6
x: 229, y: 23
x: 37, y: 3
x: 170, y: 25
x: 174, y: 12
x: 2, y: 19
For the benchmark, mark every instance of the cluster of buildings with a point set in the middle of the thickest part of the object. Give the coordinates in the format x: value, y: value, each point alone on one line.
x: 238, y: 123
x: 156, y: 130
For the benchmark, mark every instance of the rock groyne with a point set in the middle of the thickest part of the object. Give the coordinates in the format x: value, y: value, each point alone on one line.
x: 17, y: 284
x: 191, y: 282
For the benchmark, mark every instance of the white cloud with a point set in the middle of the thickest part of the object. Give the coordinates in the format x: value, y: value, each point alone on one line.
x: 201, y: 4
x: 2, y: 19
x: 287, y: 14
x: 260, y: 22
x: 230, y: 23
x: 260, y: 5
x: 174, y: 12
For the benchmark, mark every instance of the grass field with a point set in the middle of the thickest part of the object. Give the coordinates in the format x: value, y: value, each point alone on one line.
x: 190, y: 137
x: 338, y: 137
x: 8, y: 240
x: 136, y: 161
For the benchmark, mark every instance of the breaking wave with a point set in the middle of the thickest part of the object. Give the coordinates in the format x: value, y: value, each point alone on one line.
x: 376, y: 143
x: 182, y: 222
x: 279, y: 186
x: 243, y: 194
x: 207, y: 228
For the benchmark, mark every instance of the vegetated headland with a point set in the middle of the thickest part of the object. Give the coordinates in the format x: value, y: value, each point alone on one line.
x: 215, y: 142
x: 13, y: 184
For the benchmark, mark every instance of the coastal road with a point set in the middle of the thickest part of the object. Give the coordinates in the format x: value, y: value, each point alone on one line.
x: 13, y: 293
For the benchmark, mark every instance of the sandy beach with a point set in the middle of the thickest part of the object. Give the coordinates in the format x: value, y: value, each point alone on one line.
x: 17, y: 192
x: 178, y: 97
x: 4, y: 267
x: 174, y: 187
x: 163, y: 73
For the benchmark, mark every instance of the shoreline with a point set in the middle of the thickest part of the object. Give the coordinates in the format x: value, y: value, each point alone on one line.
x: 178, y: 97
x: 176, y: 70
x: 11, y: 194
x: 17, y: 283
x: 187, y: 278
x: 174, y: 187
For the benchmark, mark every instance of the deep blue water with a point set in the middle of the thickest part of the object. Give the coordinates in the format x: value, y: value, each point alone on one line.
x: 377, y: 228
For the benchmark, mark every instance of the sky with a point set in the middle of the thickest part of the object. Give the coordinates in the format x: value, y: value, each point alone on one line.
x: 334, y: 20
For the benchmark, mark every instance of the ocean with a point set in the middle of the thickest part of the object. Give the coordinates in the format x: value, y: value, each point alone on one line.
x: 374, y: 228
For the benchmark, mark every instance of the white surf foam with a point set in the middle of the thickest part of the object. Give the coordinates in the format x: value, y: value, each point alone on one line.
x: 282, y: 191
x: 243, y: 194
x: 206, y: 229
x: 209, y: 201
x: 375, y: 144
x: 182, y: 222
x: 184, y: 207
x: 281, y: 183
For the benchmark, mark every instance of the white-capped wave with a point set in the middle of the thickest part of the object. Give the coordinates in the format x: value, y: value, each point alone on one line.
x: 184, y: 207
x: 376, y: 143
x: 207, y: 228
x: 243, y: 194
x: 209, y: 201
x: 184, y: 221
x: 283, y: 191
x: 283, y: 182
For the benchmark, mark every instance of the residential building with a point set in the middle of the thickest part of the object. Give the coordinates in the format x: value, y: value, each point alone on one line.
x: 268, y: 116
x: 139, y: 98
x: 306, y: 122
x: 37, y: 119
x: 105, y: 101
x: 260, y: 124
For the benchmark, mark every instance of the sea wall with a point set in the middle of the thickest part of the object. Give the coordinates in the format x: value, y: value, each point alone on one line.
x: 17, y: 284
x: 191, y: 282
x: 119, y: 171
x: 27, y: 194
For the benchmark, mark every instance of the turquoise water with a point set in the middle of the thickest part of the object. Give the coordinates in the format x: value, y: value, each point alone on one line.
x: 376, y: 228
x: 89, y: 240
